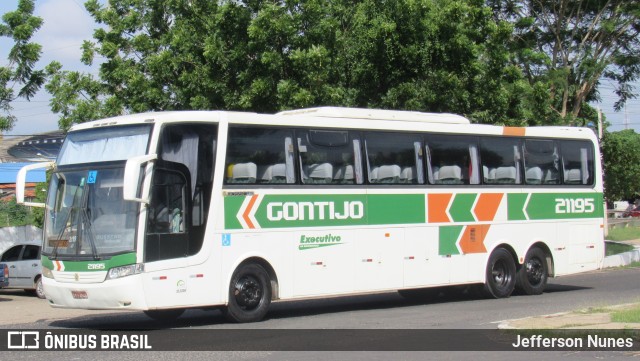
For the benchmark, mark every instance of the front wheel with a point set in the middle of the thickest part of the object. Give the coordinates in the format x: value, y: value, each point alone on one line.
x: 249, y: 294
x: 500, y: 274
x: 533, y: 275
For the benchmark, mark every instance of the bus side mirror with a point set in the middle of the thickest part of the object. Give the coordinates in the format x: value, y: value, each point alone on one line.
x: 21, y: 182
x: 132, y: 181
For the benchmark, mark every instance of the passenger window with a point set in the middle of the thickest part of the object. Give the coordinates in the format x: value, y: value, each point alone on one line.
x: 260, y: 155
x: 577, y: 162
x: 541, y: 161
x: 501, y: 160
x: 329, y: 157
x: 394, y: 158
x: 452, y: 160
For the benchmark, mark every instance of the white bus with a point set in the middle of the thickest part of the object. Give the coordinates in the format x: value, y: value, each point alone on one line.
x: 166, y: 211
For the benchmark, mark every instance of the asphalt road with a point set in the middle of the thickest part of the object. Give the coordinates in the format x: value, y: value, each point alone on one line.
x: 379, y: 311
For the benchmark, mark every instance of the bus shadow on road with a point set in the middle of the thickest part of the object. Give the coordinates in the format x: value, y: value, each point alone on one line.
x: 291, y: 309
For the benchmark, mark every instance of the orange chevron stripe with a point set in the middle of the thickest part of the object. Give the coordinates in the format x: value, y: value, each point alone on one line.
x: 472, y: 240
x: 514, y: 131
x: 487, y: 206
x: 438, y: 207
x: 245, y: 214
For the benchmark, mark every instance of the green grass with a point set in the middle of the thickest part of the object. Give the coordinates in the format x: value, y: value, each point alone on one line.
x: 611, y: 248
x: 631, y: 315
x: 623, y: 233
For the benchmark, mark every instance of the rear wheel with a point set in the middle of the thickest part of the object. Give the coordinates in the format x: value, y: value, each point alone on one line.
x: 249, y: 294
x: 500, y: 274
x: 532, y: 276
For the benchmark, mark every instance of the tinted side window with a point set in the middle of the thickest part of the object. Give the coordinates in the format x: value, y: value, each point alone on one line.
x: 329, y: 157
x: 452, y: 159
x: 12, y: 254
x: 394, y: 158
x: 259, y: 155
x: 500, y: 160
x: 30, y: 252
x: 577, y: 162
x: 541, y: 161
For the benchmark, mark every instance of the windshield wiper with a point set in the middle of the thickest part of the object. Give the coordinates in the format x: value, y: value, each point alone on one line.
x: 54, y: 254
x: 86, y: 226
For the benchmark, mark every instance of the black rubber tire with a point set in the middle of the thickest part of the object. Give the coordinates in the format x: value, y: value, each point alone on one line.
x: 165, y: 315
x: 249, y: 294
x: 500, y: 274
x: 534, y: 273
x: 39, y: 291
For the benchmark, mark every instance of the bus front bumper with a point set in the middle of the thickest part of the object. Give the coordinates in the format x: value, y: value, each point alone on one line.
x: 116, y: 294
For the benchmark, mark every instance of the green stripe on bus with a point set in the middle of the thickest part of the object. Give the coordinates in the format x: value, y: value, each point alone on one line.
x: 460, y: 209
x: 92, y: 266
x: 448, y: 237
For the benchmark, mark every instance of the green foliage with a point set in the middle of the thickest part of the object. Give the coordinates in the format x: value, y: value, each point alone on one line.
x: 20, y: 73
x: 566, y: 47
x: 621, y: 161
x: 13, y: 215
x: 623, y: 234
x: 267, y: 56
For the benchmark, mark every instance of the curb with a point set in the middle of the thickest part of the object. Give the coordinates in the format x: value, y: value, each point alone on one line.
x: 622, y: 259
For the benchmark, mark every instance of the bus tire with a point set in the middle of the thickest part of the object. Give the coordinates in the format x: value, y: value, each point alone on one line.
x: 532, y: 276
x: 165, y: 315
x: 249, y: 294
x: 500, y: 274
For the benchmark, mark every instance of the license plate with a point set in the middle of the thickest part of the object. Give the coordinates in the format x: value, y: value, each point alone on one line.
x: 79, y: 295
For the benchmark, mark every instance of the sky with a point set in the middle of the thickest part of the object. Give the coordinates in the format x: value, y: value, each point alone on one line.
x: 67, y: 24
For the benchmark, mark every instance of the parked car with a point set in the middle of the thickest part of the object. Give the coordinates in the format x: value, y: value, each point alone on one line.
x: 4, y: 275
x: 635, y: 212
x: 25, y: 270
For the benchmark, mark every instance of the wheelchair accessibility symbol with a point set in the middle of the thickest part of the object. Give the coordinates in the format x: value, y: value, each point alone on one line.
x: 91, y: 178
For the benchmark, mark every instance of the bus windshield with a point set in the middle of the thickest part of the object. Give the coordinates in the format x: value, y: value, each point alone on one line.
x: 86, y: 215
x: 104, y: 144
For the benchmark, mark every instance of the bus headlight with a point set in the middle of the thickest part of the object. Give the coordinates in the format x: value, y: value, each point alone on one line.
x: 47, y: 272
x: 124, y: 271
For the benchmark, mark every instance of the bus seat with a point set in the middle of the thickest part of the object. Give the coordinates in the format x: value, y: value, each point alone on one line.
x: 408, y: 175
x: 572, y: 176
x: 244, y: 173
x: 534, y: 175
x: 275, y: 173
x: 551, y: 176
x: 506, y: 175
x: 388, y: 174
x: 449, y: 174
x: 344, y: 174
x: 489, y: 174
x: 318, y: 173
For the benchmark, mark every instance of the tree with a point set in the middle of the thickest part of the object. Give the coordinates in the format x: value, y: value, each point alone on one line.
x: 621, y: 161
x: 566, y: 47
x: 267, y: 56
x: 20, y: 73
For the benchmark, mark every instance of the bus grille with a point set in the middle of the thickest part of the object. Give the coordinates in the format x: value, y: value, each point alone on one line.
x: 80, y: 277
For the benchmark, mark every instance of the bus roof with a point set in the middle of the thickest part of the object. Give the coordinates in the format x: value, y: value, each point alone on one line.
x: 378, y: 114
